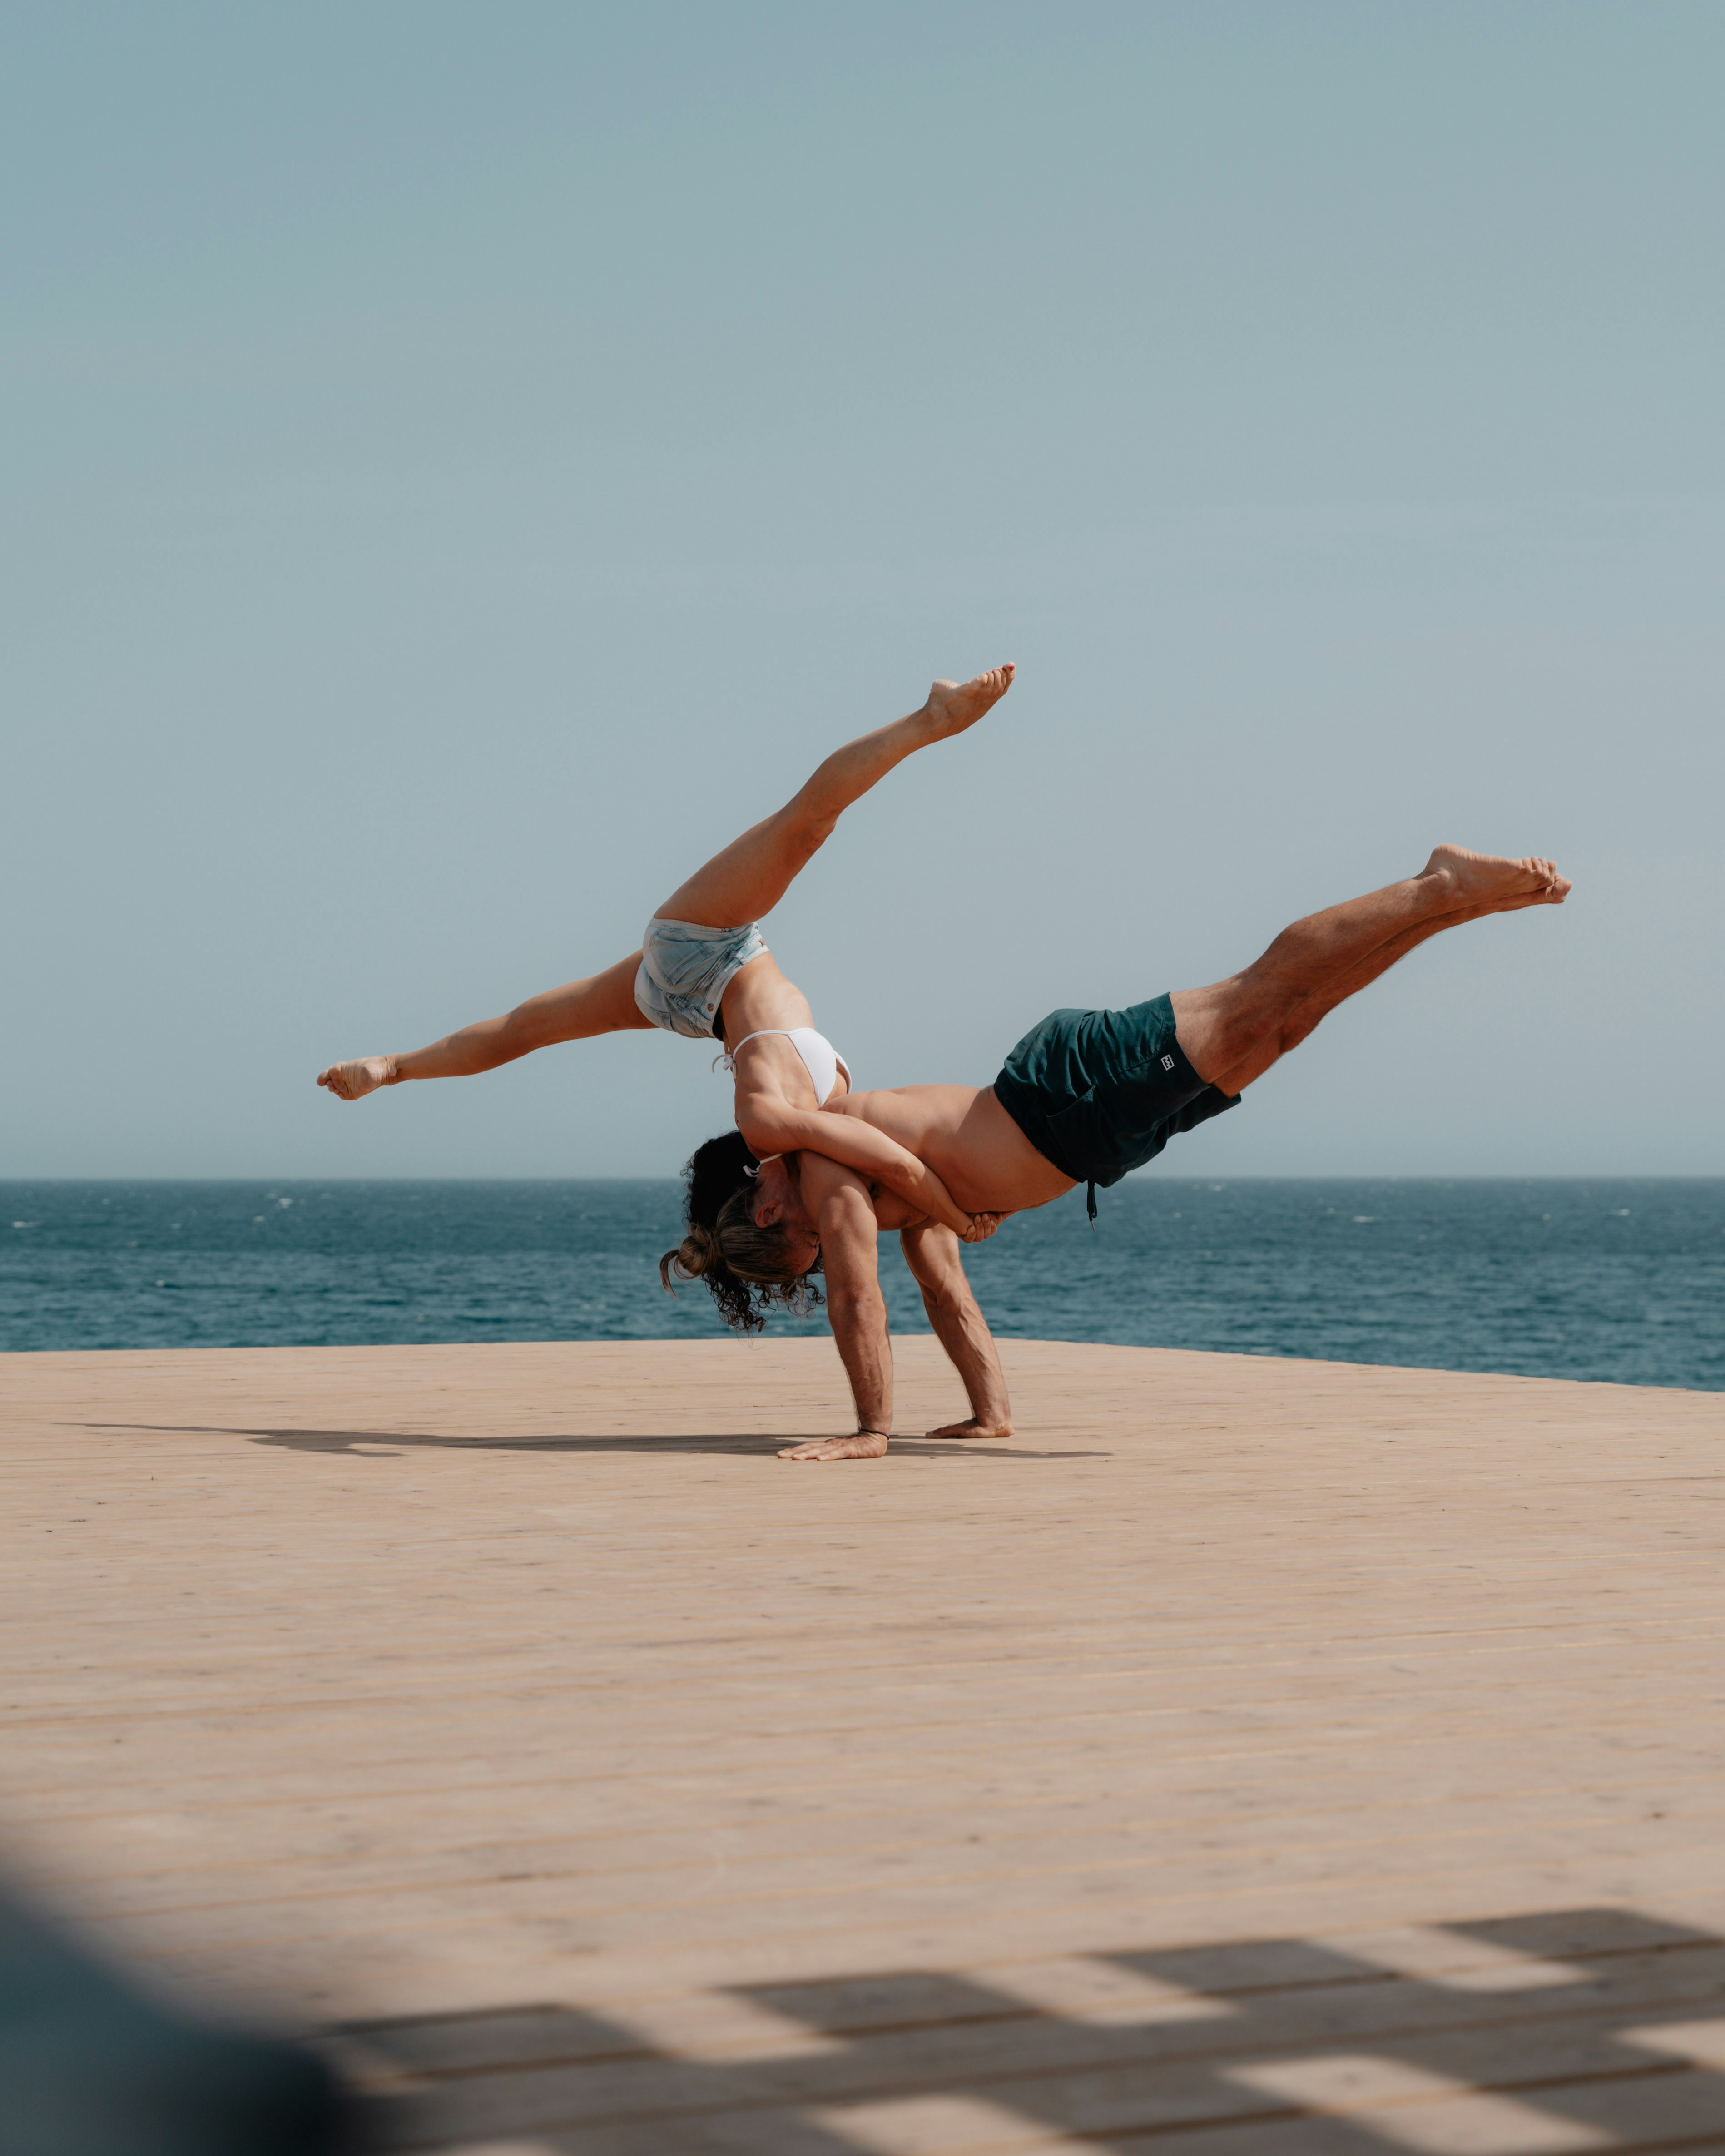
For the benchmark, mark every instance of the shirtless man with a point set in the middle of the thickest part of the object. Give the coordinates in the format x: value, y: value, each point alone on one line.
x: 1085, y: 1097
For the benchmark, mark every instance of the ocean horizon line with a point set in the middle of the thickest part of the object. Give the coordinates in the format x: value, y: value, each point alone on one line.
x: 1437, y: 1177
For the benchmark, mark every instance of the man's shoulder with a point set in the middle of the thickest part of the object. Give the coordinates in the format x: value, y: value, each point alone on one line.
x: 829, y: 1184
x: 823, y: 1179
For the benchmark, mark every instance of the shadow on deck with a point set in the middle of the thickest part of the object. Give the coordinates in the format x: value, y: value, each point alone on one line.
x: 1578, y: 2029
x: 390, y: 1444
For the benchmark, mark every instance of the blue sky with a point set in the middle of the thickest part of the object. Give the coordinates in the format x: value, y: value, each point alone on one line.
x: 460, y: 464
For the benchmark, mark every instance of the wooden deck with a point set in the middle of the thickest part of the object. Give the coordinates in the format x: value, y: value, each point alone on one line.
x: 1248, y: 1759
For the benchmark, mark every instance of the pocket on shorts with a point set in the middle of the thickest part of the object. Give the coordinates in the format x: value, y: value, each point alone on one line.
x: 1116, y: 1127
x: 1083, y: 1139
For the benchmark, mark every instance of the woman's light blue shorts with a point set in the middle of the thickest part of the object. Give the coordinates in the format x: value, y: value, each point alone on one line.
x: 685, y: 970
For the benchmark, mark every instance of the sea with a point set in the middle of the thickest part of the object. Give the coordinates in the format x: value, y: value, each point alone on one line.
x: 1619, y: 1280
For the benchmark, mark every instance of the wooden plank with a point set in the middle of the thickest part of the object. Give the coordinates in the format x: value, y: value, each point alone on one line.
x: 1235, y: 1721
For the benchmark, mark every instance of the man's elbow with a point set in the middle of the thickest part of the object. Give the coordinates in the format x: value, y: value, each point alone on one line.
x: 856, y: 1309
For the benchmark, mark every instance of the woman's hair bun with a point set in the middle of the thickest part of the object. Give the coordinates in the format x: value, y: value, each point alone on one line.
x: 695, y: 1255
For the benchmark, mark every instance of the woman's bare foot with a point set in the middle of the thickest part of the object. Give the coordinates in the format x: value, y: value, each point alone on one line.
x: 953, y: 706
x: 1491, y: 879
x: 352, y: 1081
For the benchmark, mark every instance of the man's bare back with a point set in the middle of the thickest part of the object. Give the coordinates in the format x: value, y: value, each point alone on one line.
x: 968, y: 1138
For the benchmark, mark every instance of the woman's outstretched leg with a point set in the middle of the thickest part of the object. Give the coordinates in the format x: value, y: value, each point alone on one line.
x: 738, y: 885
x: 605, y: 1002
x: 1232, y: 1031
x: 754, y: 872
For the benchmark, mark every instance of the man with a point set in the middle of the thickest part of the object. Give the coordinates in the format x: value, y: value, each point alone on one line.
x: 1086, y: 1096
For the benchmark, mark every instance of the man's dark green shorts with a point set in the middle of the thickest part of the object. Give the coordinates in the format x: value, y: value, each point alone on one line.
x: 1099, y: 1092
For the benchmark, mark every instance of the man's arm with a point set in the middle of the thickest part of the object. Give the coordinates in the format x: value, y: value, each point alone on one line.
x: 931, y: 1253
x: 845, y: 1212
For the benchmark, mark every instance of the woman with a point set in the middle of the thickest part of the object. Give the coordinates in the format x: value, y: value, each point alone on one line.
x: 704, y: 971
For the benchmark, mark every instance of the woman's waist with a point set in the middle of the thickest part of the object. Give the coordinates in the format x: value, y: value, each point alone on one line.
x: 759, y: 1000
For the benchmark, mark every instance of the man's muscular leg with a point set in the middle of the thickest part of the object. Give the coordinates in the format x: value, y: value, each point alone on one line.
x: 1232, y: 1031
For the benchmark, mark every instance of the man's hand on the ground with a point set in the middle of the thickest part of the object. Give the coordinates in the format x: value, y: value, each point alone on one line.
x: 974, y: 1428
x: 865, y: 1444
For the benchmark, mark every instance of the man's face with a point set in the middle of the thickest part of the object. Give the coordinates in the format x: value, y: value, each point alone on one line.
x: 778, y: 1202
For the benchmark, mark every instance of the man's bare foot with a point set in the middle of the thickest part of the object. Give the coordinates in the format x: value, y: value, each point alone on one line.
x: 864, y: 1444
x: 352, y: 1081
x: 1491, y: 879
x: 971, y: 1428
x: 953, y: 706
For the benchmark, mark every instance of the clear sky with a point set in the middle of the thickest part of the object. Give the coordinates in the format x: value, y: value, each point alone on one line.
x: 461, y: 464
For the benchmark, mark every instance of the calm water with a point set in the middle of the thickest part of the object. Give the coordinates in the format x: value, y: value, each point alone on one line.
x: 1614, y: 1280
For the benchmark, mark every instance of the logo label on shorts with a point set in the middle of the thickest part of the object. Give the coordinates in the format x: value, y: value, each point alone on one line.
x: 1167, y: 1062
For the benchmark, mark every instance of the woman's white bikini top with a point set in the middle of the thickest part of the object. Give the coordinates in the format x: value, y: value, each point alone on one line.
x: 820, y: 1059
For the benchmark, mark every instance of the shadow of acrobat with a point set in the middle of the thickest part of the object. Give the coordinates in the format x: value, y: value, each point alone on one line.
x: 391, y: 1443
x: 1573, y: 2030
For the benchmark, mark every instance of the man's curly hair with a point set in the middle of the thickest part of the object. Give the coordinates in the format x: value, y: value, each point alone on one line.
x: 747, y: 1271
